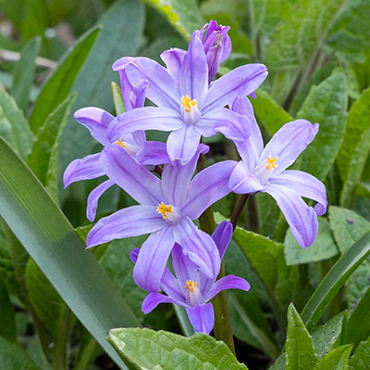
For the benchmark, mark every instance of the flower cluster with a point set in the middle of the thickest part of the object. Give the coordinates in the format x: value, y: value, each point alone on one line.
x: 190, y: 104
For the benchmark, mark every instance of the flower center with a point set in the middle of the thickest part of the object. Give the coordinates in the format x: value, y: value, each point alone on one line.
x: 164, y: 210
x: 129, y: 147
x: 187, y: 103
x: 270, y: 162
x: 190, y: 286
x: 120, y: 143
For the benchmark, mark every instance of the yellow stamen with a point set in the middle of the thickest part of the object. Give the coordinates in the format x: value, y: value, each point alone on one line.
x: 187, y: 103
x: 271, y: 162
x: 190, y: 286
x: 120, y: 143
x: 163, y: 209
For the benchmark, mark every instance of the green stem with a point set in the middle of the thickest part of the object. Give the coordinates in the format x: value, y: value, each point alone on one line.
x: 222, y: 328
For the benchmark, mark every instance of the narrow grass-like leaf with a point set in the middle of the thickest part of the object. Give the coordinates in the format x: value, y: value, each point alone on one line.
x: 148, y: 349
x: 7, y: 322
x: 361, y: 357
x: 24, y: 72
x: 355, y: 147
x: 269, y: 113
x: 337, y: 359
x: 51, y: 241
x: 324, y: 246
x: 348, y: 227
x: 12, y: 357
x: 119, y: 105
x: 185, y: 16
x: 334, y: 280
x: 327, y: 105
x: 13, y: 126
x: 300, y: 353
x: 59, y: 84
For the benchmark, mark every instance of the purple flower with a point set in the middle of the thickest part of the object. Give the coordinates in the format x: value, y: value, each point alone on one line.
x: 187, y: 105
x: 166, y: 209
x: 264, y: 169
x: 191, y: 288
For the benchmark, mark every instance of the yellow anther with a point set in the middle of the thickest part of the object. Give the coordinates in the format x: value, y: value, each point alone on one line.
x: 164, y: 210
x: 190, y: 286
x: 187, y: 103
x: 271, y: 162
x: 120, y: 143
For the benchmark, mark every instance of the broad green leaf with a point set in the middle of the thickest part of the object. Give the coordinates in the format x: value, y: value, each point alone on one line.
x: 58, y: 85
x: 51, y: 241
x: 36, y: 354
x: 122, y: 26
x: 327, y: 105
x: 348, y: 227
x: 359, y: 323
x: 12, y: 357
x: 349, y: 37
x: 248, y: 321
x: 324, y: 246
x: 355, y: 147
x: 119, y: 105
x: 361, y: 357
x: 44, y: 156
x: 297, y: 42
x: 267, y: 259
x: 300, y: 353
x: 325, y: 336
x: 334, y: 280
x: 280, y: 363
x: 337, y: 359
x: 13, y: 126
x: 7, y: 322
x: 269, y: 113
x: 23, y: 73
x: 162, y: 350
x: 268, y: 214
x: 184, y: 15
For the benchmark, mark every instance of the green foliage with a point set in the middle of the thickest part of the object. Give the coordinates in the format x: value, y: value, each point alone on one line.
x: 12, y: 357
x: 327, y: 105
x: 300, y: 353
x: 355, y: 147
x: 147, y: 349
x: 51, y: 241
x: 184, y: 16
x: 13, y: 126
x: 348, y: 227
x: 323, y: 247
x: 361, y: 357
x: 119, y: 105
x: 337, y: 359
x: 57, y: 87
x: 7, y: 323
x: 23, y: 73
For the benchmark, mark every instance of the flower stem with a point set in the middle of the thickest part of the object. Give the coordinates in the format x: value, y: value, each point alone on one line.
x: 222, y: 329
x: 239, y: 209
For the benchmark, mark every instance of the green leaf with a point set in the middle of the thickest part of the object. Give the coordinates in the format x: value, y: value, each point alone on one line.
x: 13, y: 126
x: 122, y: 26
x: 324, y: 246
x: 184, y: 15
x: 359, y: 323
x: 23, y: 73
x: 267, y: 259
x: 327, y: 105
x: 355, y: 147
x: 325, y: 336
x: 12, y: 357
x: 300, y: 353
x: 58, y: 85
x: 349, y: 37
x: 295, y: 44
x: 337, y: 359
x: 43, y: 160
x: 361, y: 357
x: 119, y: 105
x: 348, y: 227
x: 161, y: 350
x: 334, y: 280
x: 269, y: 113
x: 51, y: 241
x: 7, y: 322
